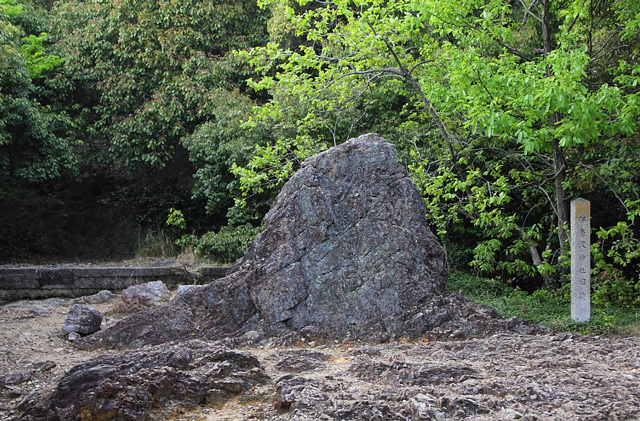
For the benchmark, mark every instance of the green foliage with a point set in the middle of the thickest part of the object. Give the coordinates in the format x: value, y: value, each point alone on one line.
x: 549, y: 308
x: 177, y: 221
x: 228, y: 244
x: 147, y: 73
x: 477, y: 287
x: 617, y: 249
x: 11, y: 8
x: 34, y: 146
x: 38, y: 62
x: 218, y: 145
x: 175, y: 218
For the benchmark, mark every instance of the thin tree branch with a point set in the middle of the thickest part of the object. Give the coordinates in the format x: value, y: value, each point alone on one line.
x: 529, y: 12
x: 354, y: 122
x: 432, y: 111
x: 575, y: 19
x: 597, y: 55
x: 419, y: 64
x: 513, y: 50
x: 606, y: 184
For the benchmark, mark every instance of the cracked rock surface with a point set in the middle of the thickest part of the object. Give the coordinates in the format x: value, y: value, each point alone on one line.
x: 306, y: 376
x: 128, y: 386
x: 346, y: 249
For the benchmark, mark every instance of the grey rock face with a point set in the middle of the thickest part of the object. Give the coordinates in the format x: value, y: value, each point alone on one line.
x: 147, y: 293
x: 82, y: 319
x: 346, y: 250
x: 300, y: 360
x: 346, y: 246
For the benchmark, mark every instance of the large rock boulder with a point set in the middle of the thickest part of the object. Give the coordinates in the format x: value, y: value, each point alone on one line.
x: 346, y: 249
x: 346, y: 245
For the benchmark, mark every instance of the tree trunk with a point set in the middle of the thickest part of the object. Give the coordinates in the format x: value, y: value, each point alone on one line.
x: 562, y: 209
x: 559, y: 165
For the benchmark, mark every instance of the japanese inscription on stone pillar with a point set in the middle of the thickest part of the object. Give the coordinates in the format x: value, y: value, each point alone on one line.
x: 580, y: 260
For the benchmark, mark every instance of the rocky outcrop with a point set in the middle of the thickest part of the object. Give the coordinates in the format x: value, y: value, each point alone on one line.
x: 346, y: 248
x: 346, y: 251
x: 129, y: 386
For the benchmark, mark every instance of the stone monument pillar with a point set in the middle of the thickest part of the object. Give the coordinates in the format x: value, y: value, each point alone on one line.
x: 580, y: 260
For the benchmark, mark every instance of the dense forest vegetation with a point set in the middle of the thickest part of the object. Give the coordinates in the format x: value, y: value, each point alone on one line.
x: 503, y: 111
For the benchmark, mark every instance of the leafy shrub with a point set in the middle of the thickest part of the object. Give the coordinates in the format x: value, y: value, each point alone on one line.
x: 475, y: 286
x: 611, y: 287
x: 228, y: 244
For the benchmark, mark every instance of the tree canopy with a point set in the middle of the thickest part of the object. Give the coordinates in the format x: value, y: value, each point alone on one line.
x: 35, y: 146
x: 148, y: 73
x: 504, y: 105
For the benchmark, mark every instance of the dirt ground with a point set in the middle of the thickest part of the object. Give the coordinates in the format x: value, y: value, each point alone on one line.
x: 506, y: 376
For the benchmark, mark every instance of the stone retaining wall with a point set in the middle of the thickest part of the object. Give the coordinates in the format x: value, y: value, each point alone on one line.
x: 18, y: 283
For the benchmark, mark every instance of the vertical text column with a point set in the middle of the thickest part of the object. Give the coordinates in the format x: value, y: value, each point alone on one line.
x: 580, y: 260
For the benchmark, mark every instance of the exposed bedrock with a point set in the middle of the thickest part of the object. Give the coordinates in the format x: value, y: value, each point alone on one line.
x: 128, y: 386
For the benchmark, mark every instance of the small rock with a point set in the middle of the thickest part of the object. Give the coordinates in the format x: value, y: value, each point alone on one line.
x: 54, y: 302
x: 184, y: 288
x: 16, y: 377
x: 73, y: 336
x: 44, y: 365
x: 39, y: 310
x: 149, y: 292
x: 13, y: 392
x: 82, y: 319
x: 251, y: 337
x: 298, y: 361
x: 99, y: 298
x: 28, y: 401
x: 509, y: 414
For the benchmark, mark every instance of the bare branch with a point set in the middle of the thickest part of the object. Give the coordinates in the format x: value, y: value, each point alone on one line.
x: 575, y: 19
x: 513, y: 50
x: 354, y: 122
x: 597, y: 55
x: 549, y: 199
x: 419, y: 64
x: 548, y: 162
x: 484, y: 86
x: 529, y: 12
x: 391, y: 70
